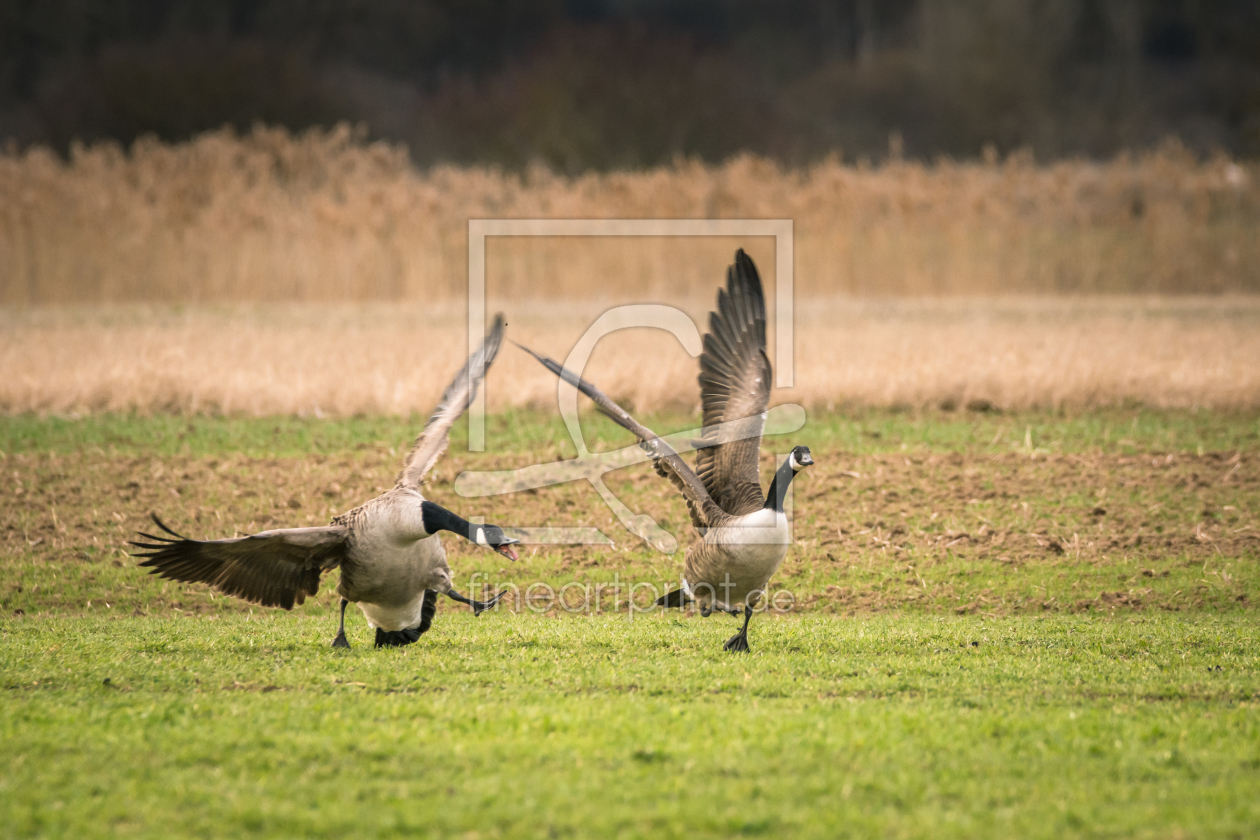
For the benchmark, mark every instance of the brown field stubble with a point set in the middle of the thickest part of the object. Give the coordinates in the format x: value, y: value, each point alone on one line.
x: 346, y: 359
x: 327, y: 217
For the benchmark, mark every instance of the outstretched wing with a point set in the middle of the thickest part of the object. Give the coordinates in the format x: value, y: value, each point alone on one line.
x: 273, y: 568
x: 734, y: 389
x: 431, y: 443
x: 704, y: 512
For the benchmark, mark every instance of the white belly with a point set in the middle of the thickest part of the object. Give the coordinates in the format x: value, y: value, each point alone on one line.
x: 398, y: 617
x: 756, y: 538
x: 747, y: 555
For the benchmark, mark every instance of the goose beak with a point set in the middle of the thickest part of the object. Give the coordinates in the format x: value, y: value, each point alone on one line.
x: 505, y: 549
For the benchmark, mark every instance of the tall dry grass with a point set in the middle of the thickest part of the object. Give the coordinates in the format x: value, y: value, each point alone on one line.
x: 326, y: 217
x: 344, y: 359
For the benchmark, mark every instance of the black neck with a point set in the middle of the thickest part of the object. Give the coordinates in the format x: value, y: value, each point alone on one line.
x: 437, y: 518
x: 779, y: 485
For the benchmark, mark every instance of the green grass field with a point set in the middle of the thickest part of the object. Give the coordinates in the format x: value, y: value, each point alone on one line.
x: 1001, y: 625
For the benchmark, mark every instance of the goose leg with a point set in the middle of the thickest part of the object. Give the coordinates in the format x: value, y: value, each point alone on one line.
x: 739, y: 642
x: 478, y: 607
x: 340, y: 641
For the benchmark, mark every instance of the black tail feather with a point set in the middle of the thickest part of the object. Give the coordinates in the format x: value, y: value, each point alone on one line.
x: 427, y: 610
x: 673, y: 600
x: 408, y: 635
x: 396, y: 638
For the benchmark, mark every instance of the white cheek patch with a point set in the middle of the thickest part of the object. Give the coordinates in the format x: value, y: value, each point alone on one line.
x: 796, y: 465
x: 481, y: 537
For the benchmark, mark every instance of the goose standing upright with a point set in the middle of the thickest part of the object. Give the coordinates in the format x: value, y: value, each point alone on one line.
x: 743, y: 533
x: 391, y: 558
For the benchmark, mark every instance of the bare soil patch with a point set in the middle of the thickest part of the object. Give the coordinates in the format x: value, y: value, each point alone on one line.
x: 985, y: 533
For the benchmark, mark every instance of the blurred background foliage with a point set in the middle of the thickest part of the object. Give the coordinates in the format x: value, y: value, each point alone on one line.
x: 610, y: 84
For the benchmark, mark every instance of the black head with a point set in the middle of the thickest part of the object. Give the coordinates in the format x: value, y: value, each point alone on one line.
x: 492, y: 536
x: 800, y: 458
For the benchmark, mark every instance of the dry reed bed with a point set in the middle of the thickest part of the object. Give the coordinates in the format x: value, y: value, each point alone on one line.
x: 377, y: 358
x: 326, y: 217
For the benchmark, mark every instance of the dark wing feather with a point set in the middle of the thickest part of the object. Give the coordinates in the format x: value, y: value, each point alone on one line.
x: 735, y: 388
x: 704, y: 512
x: 431, y: 443
x: 273, y: 568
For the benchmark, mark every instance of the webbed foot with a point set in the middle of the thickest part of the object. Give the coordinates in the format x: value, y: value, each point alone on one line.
x: 478, y: 607
x: 737, y: 643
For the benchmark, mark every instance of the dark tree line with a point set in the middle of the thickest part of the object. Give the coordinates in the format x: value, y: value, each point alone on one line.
x: 625, y: 83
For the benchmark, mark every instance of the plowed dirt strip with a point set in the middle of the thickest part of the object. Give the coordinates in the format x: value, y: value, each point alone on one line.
x: 948, y: 533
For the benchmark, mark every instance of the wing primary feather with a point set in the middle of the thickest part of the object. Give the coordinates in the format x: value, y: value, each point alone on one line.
x: 432, y: 441
x: 274, y: 568
x: 735, y: 386
x: 705, y: 513
x: 158, y: 522
x: 602, y: 401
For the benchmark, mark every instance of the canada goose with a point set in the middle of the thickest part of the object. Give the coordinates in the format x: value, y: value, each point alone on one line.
x: 392, y: 561
x: 743, y: 533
